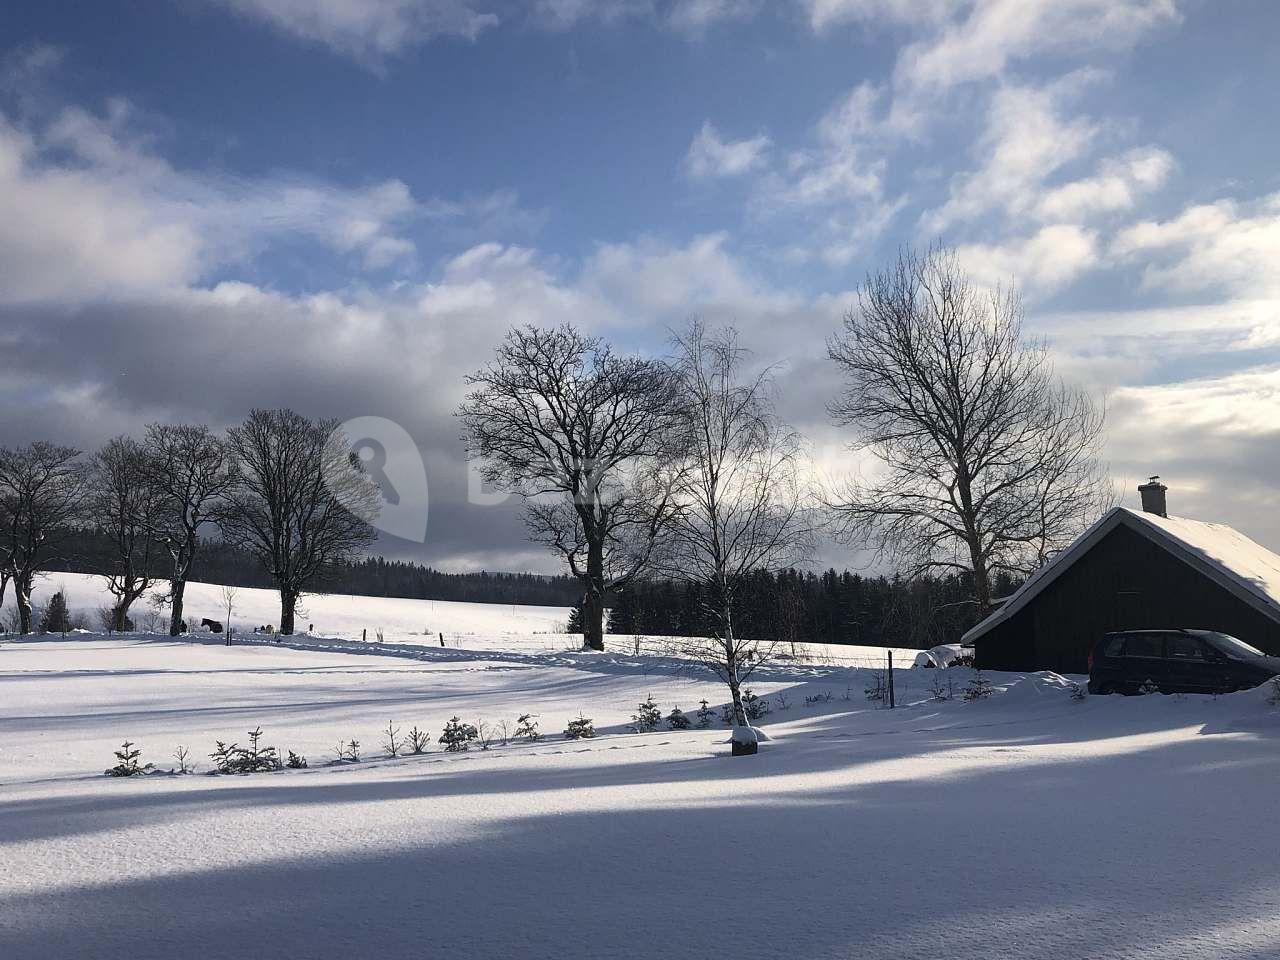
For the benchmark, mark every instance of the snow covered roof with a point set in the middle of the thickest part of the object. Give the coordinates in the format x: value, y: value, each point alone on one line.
x: 1223, y: 554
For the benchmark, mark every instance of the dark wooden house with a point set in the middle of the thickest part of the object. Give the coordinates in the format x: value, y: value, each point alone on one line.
x: 1135, y: 570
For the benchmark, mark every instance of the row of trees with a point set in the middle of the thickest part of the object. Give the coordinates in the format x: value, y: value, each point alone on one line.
x: 280, y: 485
x: 984, y: 462
x: 795, y: 607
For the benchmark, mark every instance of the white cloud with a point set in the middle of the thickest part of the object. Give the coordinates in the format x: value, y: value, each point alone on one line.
x: 1047, y: 261
x: 711, y: 156
x: 369, y: 29
x: 829, y: 13
x: 88, y: 209
x: 1025, y: 140
x: 1223, y: 246
x: 1117, y: 186
x: 998, y: 32
x: 695, y: 16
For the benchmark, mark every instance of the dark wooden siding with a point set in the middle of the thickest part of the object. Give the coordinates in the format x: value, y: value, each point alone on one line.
x: 1126, y: 582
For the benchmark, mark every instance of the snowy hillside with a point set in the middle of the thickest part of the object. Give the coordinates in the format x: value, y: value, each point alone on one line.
x: 333, y: 615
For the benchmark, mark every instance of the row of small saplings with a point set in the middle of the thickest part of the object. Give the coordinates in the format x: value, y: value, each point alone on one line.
x: 457, y: 736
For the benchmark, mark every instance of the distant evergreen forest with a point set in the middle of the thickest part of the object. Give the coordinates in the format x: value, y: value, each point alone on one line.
x: 790, y: 605
x: 799, y: 606
x: 90, y: 551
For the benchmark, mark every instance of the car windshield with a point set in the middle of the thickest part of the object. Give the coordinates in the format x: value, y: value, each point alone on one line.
x: 1233, y: 647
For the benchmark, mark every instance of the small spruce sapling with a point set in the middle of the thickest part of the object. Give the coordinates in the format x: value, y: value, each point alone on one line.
x: 580, y: 729
x: 647, y: 716
x: 419, y: 741
x: 1077, y: 692
x: 677, y: 719
x: 754, y: 706
x: 392, y: 742
x: 128, y: 765
x: 1148, y: 687
x: 705, y: 715
x: 979, y: 688
x: 457, y: 736
x: 526, y: 728
x: 296, y: 761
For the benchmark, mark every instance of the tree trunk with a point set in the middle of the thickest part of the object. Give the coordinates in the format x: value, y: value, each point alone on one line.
x: 120, y: 614
x: 735, y: 688
x: 22, y: 596
x: 288, y: 603
x: 177, y: 588
x: 981, y: 580
x: 593, y: 599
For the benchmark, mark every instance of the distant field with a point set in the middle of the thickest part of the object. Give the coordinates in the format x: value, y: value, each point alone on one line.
x: 405, y: 622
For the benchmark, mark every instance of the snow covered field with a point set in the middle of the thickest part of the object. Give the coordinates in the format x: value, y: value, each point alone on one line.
x: 1025, y: 825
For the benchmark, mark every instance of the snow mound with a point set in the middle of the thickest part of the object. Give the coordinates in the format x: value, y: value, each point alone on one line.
x: 745, y: 734
x: 1037, y: 686
x: 939, y: 656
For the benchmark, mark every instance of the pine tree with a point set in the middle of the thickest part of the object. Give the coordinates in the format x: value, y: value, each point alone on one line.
x: 647, y: 716
x: 575, y: 618
x: 57, y: 618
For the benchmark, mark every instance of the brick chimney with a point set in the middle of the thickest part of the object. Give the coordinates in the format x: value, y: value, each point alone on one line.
x: 1153, y: 500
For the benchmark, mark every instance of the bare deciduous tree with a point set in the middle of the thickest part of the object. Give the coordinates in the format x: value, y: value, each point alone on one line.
x: 193, y: 471
x: 42, y: 490
x: 300, y: 501
x: 986, y: 460
x: 228, y: 596
x: 584, y: 435
x: 125, y: 504
x: 742, y: 499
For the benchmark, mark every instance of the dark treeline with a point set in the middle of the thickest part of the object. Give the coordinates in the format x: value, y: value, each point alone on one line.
x: 90, y: 551
x: 798, y: 606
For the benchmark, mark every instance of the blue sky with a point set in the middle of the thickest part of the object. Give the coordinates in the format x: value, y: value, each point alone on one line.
x: 341, y: 204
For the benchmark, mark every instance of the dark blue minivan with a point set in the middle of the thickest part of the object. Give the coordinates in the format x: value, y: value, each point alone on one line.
x: 1177, y: 661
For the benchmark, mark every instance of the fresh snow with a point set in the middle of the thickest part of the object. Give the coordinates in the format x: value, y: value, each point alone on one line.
x: 1023, y: 825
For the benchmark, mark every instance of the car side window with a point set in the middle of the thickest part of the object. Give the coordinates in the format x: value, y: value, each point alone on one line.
x: 1112, y: 647
x: 1144, y: 645
x: 1179, y: 646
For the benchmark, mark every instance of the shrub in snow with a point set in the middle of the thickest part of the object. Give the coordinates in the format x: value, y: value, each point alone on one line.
x: 726, y: 714
x: 128, y: 765
x: 347, y: 752
x: 818, y: 698
x: 979, y: 688
x: 676, y: 719
x: 939, y: 690
x: 878, y: 688
x: 705, y: 714
x: 296, y: 761
x: 419, y: 741
x: 485, y: 733
x: 963, y: 660
x: 392, y: 742
x: 755, y: 707
x: 647, y: 716
x: 252, y: 759
x: 526, y: 728
x: 457, y: 736
x: 580, y: 729
x: 781, y: 699
x: 1077, y: 692
x: 1148, y: 687
x: 183, y: 756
